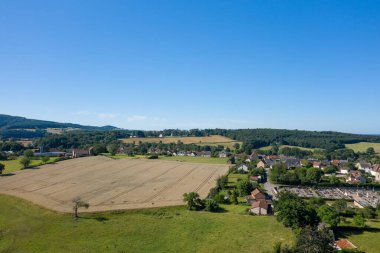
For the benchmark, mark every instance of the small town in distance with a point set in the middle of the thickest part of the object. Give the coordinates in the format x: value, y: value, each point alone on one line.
x: 177, y: 126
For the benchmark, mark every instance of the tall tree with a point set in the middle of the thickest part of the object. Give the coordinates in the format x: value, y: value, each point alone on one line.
x: 294, y: 212
x: 329, y: 215
x: 192, y: 200
x: 25, y: 162
x: 313, y: 240
x: 77, y: 203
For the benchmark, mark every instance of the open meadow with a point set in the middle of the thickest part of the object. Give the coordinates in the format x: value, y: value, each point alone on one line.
x: 212, y: 140
x: 112, y: 184
x: 362, y: 146
x: 15, y: 165
x: 25, y: 227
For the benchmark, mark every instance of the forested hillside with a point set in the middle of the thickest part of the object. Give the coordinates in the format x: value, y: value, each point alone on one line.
x: 20, y: 127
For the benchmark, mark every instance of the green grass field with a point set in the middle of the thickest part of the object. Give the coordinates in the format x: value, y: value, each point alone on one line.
x: 28, y: 228
x: 211, y: 160
x: 121, y: 156
x: 362, y: 146
x: 366, y: 239
x: 14, y: 165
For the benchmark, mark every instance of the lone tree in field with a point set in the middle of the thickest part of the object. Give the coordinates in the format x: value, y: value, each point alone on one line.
x: 25, y: 162
x: 112, y: 148
x: 371, y: 151
x: 192, y: 200
x: 78, y: 202
x: 2, y: 167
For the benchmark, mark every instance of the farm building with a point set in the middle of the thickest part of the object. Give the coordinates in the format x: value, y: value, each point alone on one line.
x: 80, y: 152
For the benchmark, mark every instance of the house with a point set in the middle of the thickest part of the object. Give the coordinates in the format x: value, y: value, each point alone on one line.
x: 292, y: 162
x: 181, y: 153
x: 356, y: 178
x: 259, y: 204
x: 192, y: 154
x: 364, y: 166
x: 344, y: 244
x: 257, y: 195
x: 317, y: 164
x: 255, y: 179
x: 254, y: 156
x: 223, y: 154
x: 205, y: 154
x: 375, y: 171
x: 261, y: 207
x: 261, y: 164
x: 344, y: 170
x: 270, y: 162
x: 242, y: 167
x: 80, y: 152
x: 338, y: 163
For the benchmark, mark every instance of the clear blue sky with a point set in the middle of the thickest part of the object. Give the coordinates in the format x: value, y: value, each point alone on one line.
x: 158, y: 64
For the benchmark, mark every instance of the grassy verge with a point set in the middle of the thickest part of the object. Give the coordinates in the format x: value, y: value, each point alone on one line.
x: 14, y: 165
x: 211, y: 160
x: 28, y: 228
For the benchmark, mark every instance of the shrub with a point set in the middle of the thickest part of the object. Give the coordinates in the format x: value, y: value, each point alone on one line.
x: 211, y: 205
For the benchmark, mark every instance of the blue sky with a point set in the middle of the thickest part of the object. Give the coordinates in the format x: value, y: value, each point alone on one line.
x: 311, y: 65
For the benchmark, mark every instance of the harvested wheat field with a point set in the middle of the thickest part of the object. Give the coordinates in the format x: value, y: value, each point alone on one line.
x: 108, y: 184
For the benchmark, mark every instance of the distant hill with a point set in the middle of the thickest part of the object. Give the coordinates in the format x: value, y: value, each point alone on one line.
x: 21, y: 127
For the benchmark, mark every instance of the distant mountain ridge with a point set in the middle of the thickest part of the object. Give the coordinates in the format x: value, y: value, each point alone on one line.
x: 21, y: 127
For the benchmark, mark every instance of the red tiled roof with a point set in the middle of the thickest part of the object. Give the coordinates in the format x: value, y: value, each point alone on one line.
x: 257, y: 194
x: 261, y: 203
x: 345, y: 244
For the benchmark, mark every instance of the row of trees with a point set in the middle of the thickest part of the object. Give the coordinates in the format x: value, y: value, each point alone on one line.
x: 280, y: 174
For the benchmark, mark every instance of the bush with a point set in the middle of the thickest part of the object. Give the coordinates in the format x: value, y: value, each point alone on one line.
x: 211, y: 205
x: 153, y: 157
x: 221, y: 198
x: 359, y: 221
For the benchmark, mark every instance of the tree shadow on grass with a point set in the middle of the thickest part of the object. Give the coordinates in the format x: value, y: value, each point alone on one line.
x: 347, y: 231
x: 99, y: 218
x: 7, y: 175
